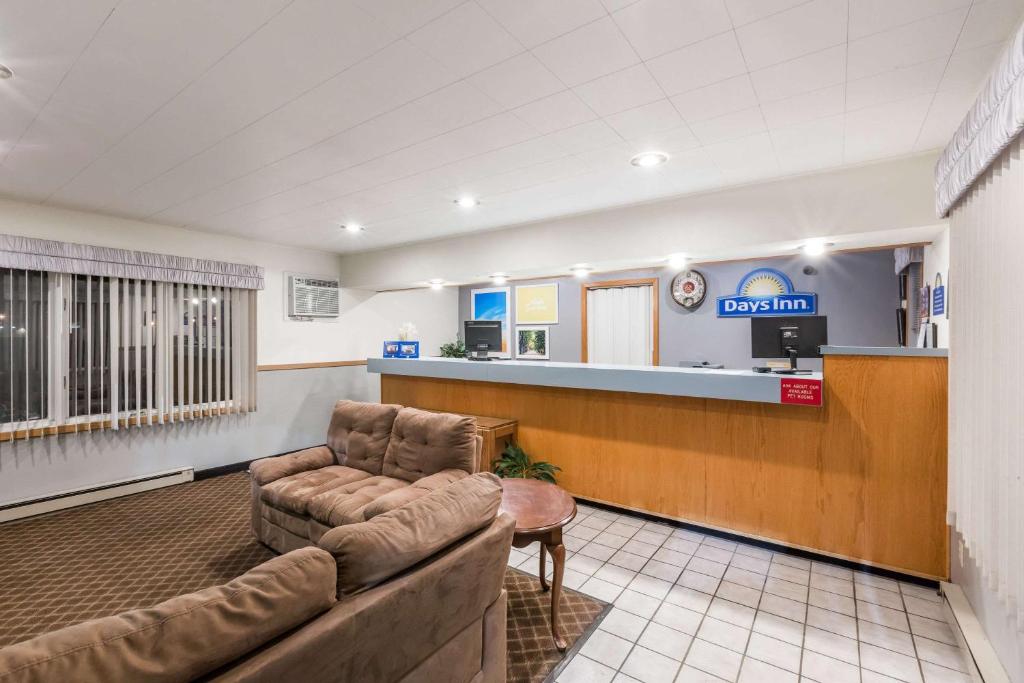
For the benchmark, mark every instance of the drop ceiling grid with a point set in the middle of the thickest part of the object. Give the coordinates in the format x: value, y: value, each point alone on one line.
x: 426, y: 115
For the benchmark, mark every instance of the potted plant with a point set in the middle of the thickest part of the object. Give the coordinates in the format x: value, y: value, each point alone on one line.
x: 455, y: 349
x: 514, y: 463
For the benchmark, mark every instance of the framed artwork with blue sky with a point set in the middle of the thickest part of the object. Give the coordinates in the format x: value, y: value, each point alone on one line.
x: 492, y: 303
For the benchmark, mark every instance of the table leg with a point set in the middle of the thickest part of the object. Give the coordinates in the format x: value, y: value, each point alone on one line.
x: 558, y: 561
x: 543, y: 570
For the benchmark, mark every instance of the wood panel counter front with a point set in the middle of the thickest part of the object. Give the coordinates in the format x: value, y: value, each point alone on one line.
x: 863, y: 478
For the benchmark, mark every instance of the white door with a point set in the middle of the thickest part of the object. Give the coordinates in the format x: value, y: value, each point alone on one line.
x: 620, y: 325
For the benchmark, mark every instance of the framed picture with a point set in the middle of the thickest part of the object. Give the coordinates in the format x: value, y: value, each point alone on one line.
x: 532, y: 342
x: 494, y: 303
x: 537, y: 304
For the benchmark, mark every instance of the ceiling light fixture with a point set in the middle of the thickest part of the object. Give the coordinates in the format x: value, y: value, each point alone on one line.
x: 5, y: 73
x: 499, y: 278
x: 816, y: 247
x: 467, y: 202
x: 353, y: 228
x: 649, y: 159
x: 436, y: 284
x: 677, y: 260
x: 581, y: 271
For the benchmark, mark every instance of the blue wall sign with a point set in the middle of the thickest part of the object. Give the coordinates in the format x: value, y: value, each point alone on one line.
x: 938, y: 296
x: 766, y: 292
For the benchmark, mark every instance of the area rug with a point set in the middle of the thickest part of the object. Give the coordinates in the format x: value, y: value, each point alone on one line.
x: 133, y: 552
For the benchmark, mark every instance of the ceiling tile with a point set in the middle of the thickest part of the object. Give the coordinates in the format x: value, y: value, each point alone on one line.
x: 989, y: 22
x: 584, y: 137
x: 517, y: 81
x: 795, y: 32
x: 590, y: 52
x: 714, y: 100
x: 671, y: 141
x: 753, y: 154
x: 466, y: 40
x: 615, y: 5
x: 811, y: 145
x: 894, y: 85
x: 735, y: 125
x: 621, y: 90
x: 746, y: 11
x: 805, y: 107
x: 655, y: 27
x: 948, y: 110
x: 405, y: 17
x: 873, y: 16
x: 921, y: 41
x: 556, y: 112
x: 804, y: 74
x: 703, y: 63
x: 650, y: 118
x: 884, y: 130
x: 534, y: 22
x: 970, y: 69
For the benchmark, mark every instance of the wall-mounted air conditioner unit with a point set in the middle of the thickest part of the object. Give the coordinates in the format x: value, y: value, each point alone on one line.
x: 312, y: 297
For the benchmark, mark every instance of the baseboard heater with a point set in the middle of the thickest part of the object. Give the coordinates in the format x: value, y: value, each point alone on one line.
x: 114, y: 489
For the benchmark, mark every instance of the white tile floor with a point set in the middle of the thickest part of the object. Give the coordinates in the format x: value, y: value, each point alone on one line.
x: 690, y: 608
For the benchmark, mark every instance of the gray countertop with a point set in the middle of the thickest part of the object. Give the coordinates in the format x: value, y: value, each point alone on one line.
x: 736, y: 385
x: 909, y: 351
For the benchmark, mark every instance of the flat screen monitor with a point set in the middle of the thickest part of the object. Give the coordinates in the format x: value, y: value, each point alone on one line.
x: 482, y: 336
x: 793, y: 337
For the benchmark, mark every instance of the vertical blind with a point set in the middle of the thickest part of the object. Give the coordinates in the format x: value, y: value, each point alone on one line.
x: 619, y: 325
x: 986, y: 376
x: 81, y: 352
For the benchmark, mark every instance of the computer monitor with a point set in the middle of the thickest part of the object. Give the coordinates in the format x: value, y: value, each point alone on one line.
x: 482, y: 336
x: 792, y: 338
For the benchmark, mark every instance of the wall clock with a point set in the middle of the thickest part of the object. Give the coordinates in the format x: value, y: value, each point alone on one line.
x: 689, y: 288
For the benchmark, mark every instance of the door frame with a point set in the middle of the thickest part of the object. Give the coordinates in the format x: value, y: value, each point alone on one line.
x: 655, y: 286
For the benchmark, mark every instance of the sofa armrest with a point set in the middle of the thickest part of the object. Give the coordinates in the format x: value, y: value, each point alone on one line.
x: 266, y: 470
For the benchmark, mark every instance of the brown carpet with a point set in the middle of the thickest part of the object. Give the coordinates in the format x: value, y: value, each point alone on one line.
x: 136, y: 551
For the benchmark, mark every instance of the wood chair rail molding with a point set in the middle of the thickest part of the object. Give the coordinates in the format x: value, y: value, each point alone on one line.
x: 654, y: 284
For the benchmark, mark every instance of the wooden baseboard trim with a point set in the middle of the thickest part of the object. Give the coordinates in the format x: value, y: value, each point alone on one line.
x: 309, y: 366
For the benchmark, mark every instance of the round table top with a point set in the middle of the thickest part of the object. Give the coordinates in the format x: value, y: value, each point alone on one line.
x: 536, y: 505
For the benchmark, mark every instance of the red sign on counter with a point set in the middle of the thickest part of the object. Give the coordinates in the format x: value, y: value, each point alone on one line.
x: 800, y: 392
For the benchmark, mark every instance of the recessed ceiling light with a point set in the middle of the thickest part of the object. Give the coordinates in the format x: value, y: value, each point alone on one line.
x: 677, y: 260
x: 581, y: 270
x: 5, y: 73
x: 467, y: 202
x: 437, y: 283
x: 353, y: 228
x: 499, y: 278
x: 816, y: 247
x: 649, y: 159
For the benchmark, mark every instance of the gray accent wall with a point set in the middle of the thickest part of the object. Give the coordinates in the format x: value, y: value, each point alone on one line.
x: 858, y: 291
x: 293, y: 411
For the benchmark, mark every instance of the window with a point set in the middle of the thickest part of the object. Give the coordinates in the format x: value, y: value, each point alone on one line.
x: 81, y: 352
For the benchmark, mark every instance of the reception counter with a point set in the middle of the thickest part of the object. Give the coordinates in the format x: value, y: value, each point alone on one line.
x: 857, y: 472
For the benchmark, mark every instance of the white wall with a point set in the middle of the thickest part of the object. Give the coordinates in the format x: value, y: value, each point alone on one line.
x: 367, y: 317
x: 936, y: 261
x: 868, y: 205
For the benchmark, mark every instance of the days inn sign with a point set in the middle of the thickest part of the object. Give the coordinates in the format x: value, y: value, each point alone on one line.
x: 766, y: 292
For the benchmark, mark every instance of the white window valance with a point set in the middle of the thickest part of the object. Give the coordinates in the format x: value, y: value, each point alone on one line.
x: 996, y: 118
x: 28, y: 253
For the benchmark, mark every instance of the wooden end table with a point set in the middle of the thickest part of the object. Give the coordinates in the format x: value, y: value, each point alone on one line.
x: 541, y: 510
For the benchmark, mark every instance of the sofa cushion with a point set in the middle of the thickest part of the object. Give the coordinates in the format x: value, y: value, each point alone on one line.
x: 359, y: 433
x: 424, y: 443
x: 344, y: 504
x: 184, y: 637
x: 370, y: 552
x: 266, y: 470
x: 417, y: 489
x: 294, y: 492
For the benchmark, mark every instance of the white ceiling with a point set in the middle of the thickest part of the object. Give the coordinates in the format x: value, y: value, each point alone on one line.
x: 280, y: 119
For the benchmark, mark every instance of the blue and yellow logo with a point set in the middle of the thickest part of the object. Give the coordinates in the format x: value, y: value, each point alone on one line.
x: 766, y: 292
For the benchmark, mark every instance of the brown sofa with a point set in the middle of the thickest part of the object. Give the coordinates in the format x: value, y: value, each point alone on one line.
x: 413, y: 594
x: 377, y: 458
